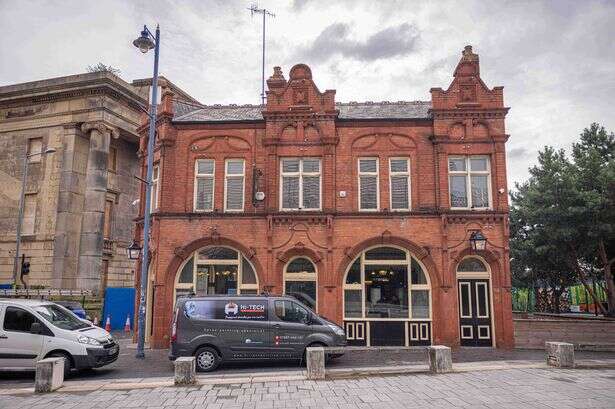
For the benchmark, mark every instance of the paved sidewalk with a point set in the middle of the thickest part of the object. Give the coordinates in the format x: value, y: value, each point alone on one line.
x: 511, y: 388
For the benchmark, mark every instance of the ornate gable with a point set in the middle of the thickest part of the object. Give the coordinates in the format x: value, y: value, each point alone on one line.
x: 467, y: 91
x: 297, y: 96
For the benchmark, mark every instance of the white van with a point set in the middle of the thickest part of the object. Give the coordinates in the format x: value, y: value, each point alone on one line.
x: 31, y: 330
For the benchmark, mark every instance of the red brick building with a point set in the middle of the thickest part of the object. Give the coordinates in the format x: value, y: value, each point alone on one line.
x: 362, y: 210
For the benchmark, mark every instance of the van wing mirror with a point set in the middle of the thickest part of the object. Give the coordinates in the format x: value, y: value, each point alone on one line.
x: 36, y: 328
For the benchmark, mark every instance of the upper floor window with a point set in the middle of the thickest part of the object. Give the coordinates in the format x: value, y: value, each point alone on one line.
x: 399, y: 175
x: 369, y: 192
x: 155, y: 189
x: 469, y: 182
x: 300, y: 184
x: 234, y: 185
x: 204, y: 185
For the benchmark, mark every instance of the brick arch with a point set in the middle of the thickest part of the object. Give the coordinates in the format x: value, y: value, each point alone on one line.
x: 489, y: 256
x: 182, y: 254
x: 283, y: 258
x: 417, y: 251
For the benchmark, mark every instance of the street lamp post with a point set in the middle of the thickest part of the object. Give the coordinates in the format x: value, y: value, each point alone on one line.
x: 21, y: 205
x: 146, y: 42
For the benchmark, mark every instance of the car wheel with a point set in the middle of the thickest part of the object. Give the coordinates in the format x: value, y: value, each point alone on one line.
x: 67, y: 362
x: 207, y: 359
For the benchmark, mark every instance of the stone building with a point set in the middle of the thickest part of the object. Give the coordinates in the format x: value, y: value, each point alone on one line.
x: 79, y: 211
x: 363, y: 210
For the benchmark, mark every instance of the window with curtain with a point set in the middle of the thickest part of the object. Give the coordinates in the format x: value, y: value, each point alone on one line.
x: 469, y: 182
x: 300, y: 184
x: 234, y: 185
x: 386, y: 283
x: 369, y: 190
x: 399, y: 175
x: 300, y: 281
x: 204, y: 185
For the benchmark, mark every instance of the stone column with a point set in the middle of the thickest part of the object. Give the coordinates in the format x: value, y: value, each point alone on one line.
x: 91, y: 241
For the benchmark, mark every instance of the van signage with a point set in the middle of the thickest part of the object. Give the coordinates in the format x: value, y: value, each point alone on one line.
x: 226, y: 310
x: 252, y: 311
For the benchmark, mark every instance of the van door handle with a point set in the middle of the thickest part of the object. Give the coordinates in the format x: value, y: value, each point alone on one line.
x: 276, y: 326
x: 3, y: 337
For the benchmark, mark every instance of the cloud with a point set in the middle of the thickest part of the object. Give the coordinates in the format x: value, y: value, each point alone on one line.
x: 337, y: 39
x: 517, y: 153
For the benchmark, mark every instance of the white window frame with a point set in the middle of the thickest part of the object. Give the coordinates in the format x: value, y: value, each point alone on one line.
x: 307, y: 277
x: 407, y: 174
x: 155, y: 191
x: 198, y: 176
x: 228, y: 176
x: 200, y: 262
x: 468, y: 174
x: 407, y: 262
x: 377, y: 174
x: 300, y: 174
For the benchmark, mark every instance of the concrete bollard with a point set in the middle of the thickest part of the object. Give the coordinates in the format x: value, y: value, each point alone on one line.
x: 440, y: 360
x: 185, y: 370
x: 315, y: 357
x: 49, y: 375
x: 560, y: 354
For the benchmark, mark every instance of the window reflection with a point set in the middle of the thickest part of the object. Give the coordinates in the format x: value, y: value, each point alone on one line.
x: 386, y: 291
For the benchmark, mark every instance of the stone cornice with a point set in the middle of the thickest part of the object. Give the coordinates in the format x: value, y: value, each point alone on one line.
x: 469, y: 113
x: 84, y: 88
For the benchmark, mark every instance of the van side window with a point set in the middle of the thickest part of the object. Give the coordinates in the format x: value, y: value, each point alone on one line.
x: 18, y: 320
x: 291, y: 312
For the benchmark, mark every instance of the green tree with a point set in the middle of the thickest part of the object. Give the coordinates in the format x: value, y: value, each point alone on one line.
x: 563, y: 217
x: 594, y: 171
x: 538, y: 229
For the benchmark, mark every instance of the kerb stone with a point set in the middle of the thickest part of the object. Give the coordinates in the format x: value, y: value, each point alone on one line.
x: 185, y: 370
x: 560, y: 354
x: 440, y: 359
x: 49, y: 375
x: 315, y: 357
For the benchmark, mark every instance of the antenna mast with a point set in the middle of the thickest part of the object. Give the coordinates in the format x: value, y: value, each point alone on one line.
x: 254, y: 9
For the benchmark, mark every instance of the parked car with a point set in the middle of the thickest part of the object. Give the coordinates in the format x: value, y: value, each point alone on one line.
x: 35, y: 329
x: 217, y: 329
x: 74, y: 306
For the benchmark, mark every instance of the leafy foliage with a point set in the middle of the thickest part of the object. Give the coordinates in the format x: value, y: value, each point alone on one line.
x: 100, y: 67
x: 563, y: 217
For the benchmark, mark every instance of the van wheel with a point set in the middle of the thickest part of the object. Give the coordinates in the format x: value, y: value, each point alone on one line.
x: 67, y: 362
x: 207, y: 359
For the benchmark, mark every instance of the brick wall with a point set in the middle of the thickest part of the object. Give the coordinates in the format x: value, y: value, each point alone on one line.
x: 533, y: 333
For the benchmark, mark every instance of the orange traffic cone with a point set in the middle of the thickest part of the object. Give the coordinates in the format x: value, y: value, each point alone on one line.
x: 95, y: 322
x: 108, y: 324
x: 127, y: 325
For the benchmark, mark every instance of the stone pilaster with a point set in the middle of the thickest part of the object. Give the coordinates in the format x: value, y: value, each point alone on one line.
x: 91, y: 240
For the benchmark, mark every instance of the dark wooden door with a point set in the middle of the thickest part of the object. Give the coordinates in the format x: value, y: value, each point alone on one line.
x: 474, y: 312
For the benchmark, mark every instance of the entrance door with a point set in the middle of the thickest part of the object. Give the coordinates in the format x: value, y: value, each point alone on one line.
x: 474, y: 312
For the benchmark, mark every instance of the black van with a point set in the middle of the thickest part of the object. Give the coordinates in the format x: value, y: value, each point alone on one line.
x: 223, y: 328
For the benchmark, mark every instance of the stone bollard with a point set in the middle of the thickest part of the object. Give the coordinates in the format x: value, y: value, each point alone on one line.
x: 440, y: 360
x: 315, y: 357
x: 560, y: 354
x: 185, y: 370
x: 49, y: 375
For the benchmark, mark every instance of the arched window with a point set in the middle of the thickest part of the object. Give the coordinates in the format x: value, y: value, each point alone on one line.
x: 216, y: 270
x: 471, y: 265
x: 300, y: 281
x: 386, y: 283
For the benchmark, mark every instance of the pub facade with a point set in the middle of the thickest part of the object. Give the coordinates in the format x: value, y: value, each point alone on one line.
x: 389, y: 218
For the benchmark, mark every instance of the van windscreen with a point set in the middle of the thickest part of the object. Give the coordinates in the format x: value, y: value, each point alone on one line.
x: 254, y: 310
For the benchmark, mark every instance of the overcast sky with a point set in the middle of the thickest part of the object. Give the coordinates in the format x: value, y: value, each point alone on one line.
x: 555, y: 59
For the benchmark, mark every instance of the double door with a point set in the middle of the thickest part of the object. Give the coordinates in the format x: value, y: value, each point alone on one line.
x: 475, y: 312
